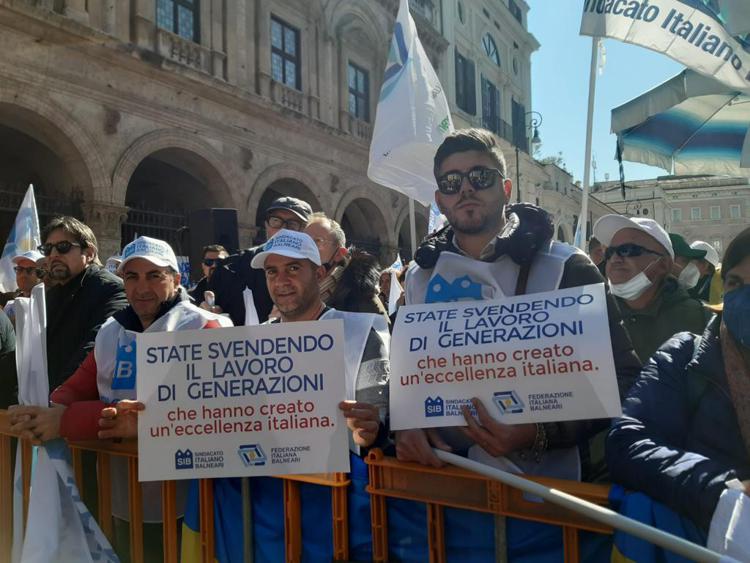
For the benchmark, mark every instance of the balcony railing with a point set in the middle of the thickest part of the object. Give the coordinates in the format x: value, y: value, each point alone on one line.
x: 287, y: 97
x: 183, y: 51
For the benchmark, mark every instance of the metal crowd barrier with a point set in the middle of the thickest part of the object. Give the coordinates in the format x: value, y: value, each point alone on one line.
x: 388, y: 478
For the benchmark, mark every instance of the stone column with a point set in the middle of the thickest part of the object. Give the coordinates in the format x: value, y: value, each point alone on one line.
x: 76, y: 10
x: 106, y: 220
x: 145, y: 23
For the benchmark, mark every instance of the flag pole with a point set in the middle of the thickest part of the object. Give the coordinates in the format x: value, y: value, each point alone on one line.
x: 581, y: 234
x: 412, y: 227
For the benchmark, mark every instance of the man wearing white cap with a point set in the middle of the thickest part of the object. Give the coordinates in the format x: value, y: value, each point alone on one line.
x: 25, y: 267
x: 707, y: 268
x: 98, y: 399
x: 292, y: 265
x: 639, y: 261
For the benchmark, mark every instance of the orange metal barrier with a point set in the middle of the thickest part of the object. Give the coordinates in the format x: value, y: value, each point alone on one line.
x: 437, y: 488
x: 458, y: 488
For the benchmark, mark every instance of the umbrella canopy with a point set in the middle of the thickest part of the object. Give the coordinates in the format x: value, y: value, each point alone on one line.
x: 691, y: 124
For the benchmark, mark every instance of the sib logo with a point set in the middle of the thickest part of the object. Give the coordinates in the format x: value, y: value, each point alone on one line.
x: 252, y: 455
x: 508, y: 402
x: 434, y: 407
x: 183, y: 459
x: 125, y: 362
x: 440, y: 290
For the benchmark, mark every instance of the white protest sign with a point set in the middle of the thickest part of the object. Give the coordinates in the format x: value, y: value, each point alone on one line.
x: 242, y: 401
x: 535, y: 358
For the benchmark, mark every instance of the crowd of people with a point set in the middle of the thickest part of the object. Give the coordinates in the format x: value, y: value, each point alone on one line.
x: 681, y: 350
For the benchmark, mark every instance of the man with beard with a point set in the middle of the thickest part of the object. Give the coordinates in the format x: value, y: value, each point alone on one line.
x: 490, y: 250
x: 83, y: 297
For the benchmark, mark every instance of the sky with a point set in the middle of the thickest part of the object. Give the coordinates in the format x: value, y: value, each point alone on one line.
x: 560, y: 82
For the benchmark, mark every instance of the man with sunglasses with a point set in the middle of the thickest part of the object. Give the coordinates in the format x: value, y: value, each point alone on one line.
x: 233, y: 274
x: 490, y: 250
x: 212, y: 255
x: 640, y: 258
x: 85, y: 295
x: 27, y: 271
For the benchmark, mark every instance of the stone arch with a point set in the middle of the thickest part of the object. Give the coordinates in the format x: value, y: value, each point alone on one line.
x: 366, y: 227
x: 285, y: 171
x: 342, y: 14
x: 51, y: 124
x: 203, y: 161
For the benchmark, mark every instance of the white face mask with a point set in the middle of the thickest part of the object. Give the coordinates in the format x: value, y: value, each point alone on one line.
x: 689, y: 276
x: 634, y: 287
x: 631, y: 289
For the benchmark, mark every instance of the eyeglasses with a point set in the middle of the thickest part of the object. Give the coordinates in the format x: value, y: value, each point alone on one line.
x: 62, y: 247
x: 480, y: 178
x: 27, y: 269
x: 628, y: 250
x: 210, y: 262
x: 278, y: 223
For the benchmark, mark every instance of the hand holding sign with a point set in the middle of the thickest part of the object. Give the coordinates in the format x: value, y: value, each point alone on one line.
x: 494, y: 437
x: 363, y: 419
x: 120, y: 420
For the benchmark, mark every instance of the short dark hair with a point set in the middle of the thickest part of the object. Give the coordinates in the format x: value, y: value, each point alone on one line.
x: 214, y: 248
x: 81, y: 232
x: 736, y: 252
x: 594, y: 243
x: 473, y: 139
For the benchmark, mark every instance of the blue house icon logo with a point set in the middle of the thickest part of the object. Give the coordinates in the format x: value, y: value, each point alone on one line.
x: 183, y: 459
x: 440, y: 290
x: 434, y: 407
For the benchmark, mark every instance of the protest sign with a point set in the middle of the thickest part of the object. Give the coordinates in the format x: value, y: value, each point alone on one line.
x: 242, y: 401
x: 535, y: 358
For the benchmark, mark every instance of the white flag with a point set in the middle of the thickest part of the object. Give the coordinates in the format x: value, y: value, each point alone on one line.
x: 412, y: 119
x: 692, y: 32
x: 23, y: 236
x: 70, y: 532
x: 437, y: 219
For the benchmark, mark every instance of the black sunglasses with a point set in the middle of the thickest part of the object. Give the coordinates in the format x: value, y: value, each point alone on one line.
x: 480, y: 178
x: 62, y: 247
x: 278, y: 223
x: 628, y: 250
x: 210, y: 261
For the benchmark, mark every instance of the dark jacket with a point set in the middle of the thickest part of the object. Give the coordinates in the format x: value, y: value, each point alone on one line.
x: 196, y: 294
x: 75, y: 311
x: 678, y: 439
x: 672, y: 311
x: 8, y: 377
x: 534, y: 231
x: 230, y: 278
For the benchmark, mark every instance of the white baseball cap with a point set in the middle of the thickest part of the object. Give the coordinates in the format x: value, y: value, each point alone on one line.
x: 32, y: 255
x: 608, y: 226
x: 292, y: 244
x: 154, y: 250
x: 112, y: 263
x: 711, y: 254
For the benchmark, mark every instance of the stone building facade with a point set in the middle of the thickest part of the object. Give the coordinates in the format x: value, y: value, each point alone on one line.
x: 131, y: 114
x: 709, y: 208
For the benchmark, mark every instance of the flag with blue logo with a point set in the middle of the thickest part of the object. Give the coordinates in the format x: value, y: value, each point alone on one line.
x: 709, y: 36
x: 59, y: 526
x: 24, y: 236
x: 412, y: 118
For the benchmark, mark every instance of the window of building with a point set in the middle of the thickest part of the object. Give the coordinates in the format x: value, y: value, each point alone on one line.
x: 490, y: 106
x: 466, y: 94
x: 715, y: 212
x: 734, y: 211
x: 676, y: 215
x: 695, y: 213
x: 515, y: 11
x: 490, y: 47
x: 359, y: 92
x: 285, y: 54
x: 519, y: 126
x: 180, y: 17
